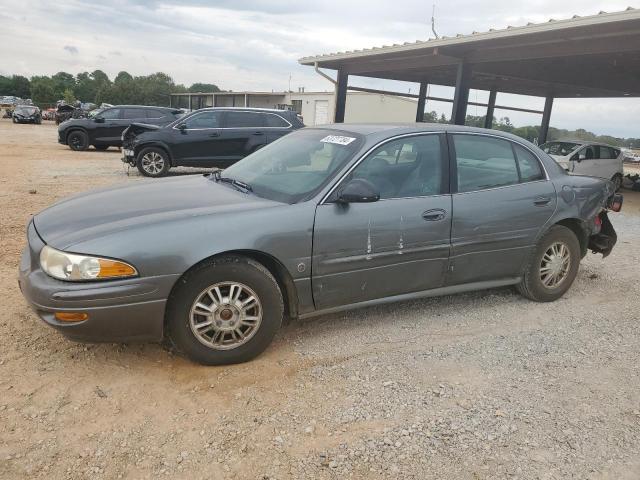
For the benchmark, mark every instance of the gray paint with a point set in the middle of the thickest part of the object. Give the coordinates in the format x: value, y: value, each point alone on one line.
x: 364, y: 253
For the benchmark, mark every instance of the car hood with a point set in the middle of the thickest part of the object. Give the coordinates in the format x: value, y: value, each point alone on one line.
x: 104, y: 212
x: 75, y: 122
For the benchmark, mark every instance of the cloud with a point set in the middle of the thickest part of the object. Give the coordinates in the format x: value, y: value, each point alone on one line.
x: 255, y: 44
x: 71, y: 49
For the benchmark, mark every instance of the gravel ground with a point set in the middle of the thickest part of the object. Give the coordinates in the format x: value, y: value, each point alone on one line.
x: 477, y: 386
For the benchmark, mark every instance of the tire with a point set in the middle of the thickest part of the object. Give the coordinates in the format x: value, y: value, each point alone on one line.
x: 532, y: 285
x: 153, y: 162
x: 218, y: 346
x: 617, y: 181
x: 78, y: 140
x: 101, y: 148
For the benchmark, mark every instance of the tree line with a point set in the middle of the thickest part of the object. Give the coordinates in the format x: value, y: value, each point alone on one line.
x: 532, y: 132
x: 96, y: 87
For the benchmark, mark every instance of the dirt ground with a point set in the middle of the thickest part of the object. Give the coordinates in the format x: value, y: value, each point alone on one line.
x: 476, y: 386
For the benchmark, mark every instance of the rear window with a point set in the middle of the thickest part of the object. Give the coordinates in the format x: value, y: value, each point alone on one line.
x: 151, y: 113
x: 560, y: 149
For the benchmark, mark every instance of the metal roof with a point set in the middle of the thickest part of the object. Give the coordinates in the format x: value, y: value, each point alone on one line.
x: 590, y: 56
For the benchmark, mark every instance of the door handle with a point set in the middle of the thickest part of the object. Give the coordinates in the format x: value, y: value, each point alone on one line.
x: 214, y: 134
x: 258, y: 133
x: 541, y: 201
x: 434, y: 215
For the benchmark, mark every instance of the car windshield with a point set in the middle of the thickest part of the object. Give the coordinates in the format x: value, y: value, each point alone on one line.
x: 295, y: 167
x: 561, y: 149
x: 26, y: 110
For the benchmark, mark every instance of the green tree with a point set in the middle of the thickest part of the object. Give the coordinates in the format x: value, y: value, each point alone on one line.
x: 43, y: 91
x: 69, y: 97
x: 204, y: 88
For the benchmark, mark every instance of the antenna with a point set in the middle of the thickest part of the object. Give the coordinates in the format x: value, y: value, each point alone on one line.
x: 433, y: 21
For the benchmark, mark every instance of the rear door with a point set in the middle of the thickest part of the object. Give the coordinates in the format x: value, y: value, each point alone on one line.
x: 501, y: 202
x: 196, y: 141
x: 608, y: 163
x: 397, y: 245
x: 244, y: 132
x: 276, y: 126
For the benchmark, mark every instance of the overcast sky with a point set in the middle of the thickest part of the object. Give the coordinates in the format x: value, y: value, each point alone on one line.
x: 255, y: 44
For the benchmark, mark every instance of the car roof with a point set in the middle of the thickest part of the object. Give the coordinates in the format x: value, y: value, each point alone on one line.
x: 143, y: 106
x: 583, y: 142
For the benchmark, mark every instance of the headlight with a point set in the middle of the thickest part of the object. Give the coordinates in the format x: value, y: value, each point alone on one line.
x: 72, y: 267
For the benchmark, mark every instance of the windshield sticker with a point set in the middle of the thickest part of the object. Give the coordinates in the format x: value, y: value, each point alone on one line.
x: 337, y: 139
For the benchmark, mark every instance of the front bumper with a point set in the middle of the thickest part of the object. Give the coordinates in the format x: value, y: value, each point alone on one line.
x: 118, y: 311
x: 128, y: 155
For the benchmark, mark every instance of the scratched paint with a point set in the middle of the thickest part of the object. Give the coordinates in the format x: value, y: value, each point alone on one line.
x: 401, y: 239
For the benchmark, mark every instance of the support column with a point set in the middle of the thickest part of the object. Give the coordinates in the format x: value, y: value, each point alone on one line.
x: 422, y: 101
x: 246, y: 100
x: 546, y: 117
x: 190, y: 104
x: 488, y: 119
x: 461, y: 97
x: 341, y: 96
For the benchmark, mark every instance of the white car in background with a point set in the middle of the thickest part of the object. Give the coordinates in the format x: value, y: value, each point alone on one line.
x: 588, y: 158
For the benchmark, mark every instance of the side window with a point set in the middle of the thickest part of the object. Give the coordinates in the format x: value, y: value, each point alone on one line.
x: 110, y: 114
x: 155, y: 113
x: 244, y: 120
x: 587, y: 153
x: 407, y: 167
x: 276, y: 121
x: 484, y: 162
x: 605, y: 152
x: 131, y: 113
x: 204, y: 120
x: 530, y: 169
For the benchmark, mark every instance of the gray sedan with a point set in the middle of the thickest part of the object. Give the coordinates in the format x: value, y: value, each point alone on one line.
x: 324, y: 219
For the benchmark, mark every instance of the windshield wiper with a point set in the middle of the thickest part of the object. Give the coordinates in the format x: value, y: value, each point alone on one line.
x: 242, y: 186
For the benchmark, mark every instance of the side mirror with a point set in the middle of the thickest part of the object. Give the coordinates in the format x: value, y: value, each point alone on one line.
x: 359, y: 190
x: 182, y: 127
x: 98, y: 119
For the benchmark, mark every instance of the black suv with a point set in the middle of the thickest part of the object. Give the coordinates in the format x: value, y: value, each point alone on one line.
x: 104, y: 128
x: 211, y: 137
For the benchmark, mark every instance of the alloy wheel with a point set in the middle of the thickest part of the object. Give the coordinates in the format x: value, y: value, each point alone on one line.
x: 555, y: 265
x: 225, y: 315
x: 152, y: 163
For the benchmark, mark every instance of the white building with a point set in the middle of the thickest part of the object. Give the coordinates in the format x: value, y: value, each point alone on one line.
x: 316, y: 108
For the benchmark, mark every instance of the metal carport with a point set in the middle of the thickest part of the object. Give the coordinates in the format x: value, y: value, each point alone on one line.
x: 593, y: 56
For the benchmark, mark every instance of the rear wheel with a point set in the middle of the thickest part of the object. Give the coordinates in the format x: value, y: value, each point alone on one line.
x: 553, y: 266
x: 78, y: 141
x: 225, y: 311
x: 153, y: 162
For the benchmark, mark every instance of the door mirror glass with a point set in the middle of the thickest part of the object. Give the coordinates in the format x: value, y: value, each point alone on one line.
x: 182, y: 126
x: 359, y: 190
x: 98, y: 119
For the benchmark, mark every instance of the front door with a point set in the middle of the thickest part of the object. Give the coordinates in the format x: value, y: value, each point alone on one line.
x: 244, y: 133
x: 397, y: 245
x: 196, y: 140
x: 111, y: 128
x: 502, y: 201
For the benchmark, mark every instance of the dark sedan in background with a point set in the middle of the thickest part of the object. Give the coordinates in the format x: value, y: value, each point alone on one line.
x: 27, y: 114
x: 104, y: 128
x: 324, y: 219
x: 211, y: 137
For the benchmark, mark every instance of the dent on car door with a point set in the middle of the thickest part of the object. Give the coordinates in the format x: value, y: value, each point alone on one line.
x: 503, y: 199
x: 398, y: 244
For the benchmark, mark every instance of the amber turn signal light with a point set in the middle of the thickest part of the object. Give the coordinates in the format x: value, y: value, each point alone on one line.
x: 113, y: 268
x: 71, y: 316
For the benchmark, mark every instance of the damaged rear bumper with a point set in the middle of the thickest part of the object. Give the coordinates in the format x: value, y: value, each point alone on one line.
x: 604, y: 241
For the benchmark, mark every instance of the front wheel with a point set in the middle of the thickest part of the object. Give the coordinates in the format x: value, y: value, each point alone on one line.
x: 553, y: 266
x: 225, y: 311
x: 78, y: 141
x: 153, y: 162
